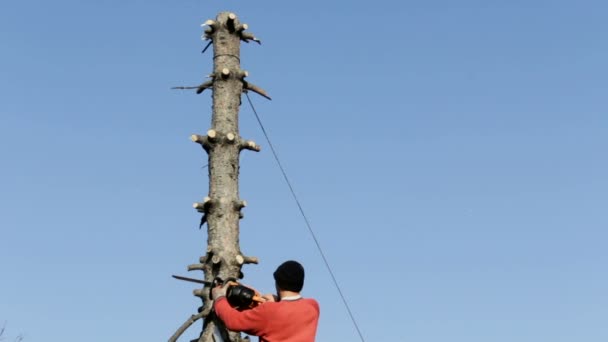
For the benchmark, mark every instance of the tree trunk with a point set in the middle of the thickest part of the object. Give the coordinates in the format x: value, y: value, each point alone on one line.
x: 222, y: 207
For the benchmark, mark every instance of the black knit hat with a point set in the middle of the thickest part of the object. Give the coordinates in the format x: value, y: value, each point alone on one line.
x: 289, y: 276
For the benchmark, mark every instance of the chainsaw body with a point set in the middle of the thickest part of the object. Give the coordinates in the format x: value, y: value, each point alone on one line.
x: 239, y: 296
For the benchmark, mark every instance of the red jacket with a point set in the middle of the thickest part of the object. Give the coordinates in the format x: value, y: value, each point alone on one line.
x: 284, y: 321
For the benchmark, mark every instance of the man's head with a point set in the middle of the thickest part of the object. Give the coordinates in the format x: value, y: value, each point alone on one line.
x: 289, y: 276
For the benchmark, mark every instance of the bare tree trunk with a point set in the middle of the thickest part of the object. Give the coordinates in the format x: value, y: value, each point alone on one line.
x: 223, y: 212
x: 222, y: 207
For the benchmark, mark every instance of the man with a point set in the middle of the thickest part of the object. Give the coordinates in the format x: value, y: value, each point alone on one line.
x: 285, y: 318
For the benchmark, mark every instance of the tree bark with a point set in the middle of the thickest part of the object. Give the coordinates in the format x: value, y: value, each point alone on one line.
x: 222, y: 217
x: 223, y: 143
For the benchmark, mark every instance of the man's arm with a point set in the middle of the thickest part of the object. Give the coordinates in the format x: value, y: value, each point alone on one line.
x: 251, y: 321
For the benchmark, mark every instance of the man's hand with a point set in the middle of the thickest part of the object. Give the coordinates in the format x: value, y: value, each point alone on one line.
x: 270, y: 298
x: 219, y: 291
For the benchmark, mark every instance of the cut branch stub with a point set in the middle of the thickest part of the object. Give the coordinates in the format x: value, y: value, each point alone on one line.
x: 255, y: 89
x: 247, y: 36
x: 242, y: 74
x: 230, y: 22
x: 202, y: 140
x: 212, y: 135
x: 240, y: 204
x: 225, y: 73
x: 204, y: 205
x: 242, y: 27
x: 196, y: 267
x: 199, y: 88
x: 241, y: 259
x: 199, y: 293
x: 216, y: 259
x: 250, y: 145
x: 203, y: 86
x: 213, y: 25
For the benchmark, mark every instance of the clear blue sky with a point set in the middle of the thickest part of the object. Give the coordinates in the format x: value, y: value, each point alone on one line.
x: 451, y: 156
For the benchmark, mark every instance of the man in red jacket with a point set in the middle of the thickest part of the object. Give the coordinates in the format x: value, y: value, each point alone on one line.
x: 285, y: 318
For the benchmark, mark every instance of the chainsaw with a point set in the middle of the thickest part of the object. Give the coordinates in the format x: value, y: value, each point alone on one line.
x: 239, y: 296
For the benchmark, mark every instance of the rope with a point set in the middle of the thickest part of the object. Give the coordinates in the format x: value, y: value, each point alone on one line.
x: 314, y: 237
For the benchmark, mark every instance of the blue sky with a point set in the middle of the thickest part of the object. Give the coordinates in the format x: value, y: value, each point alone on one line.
x: 451, y: 156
